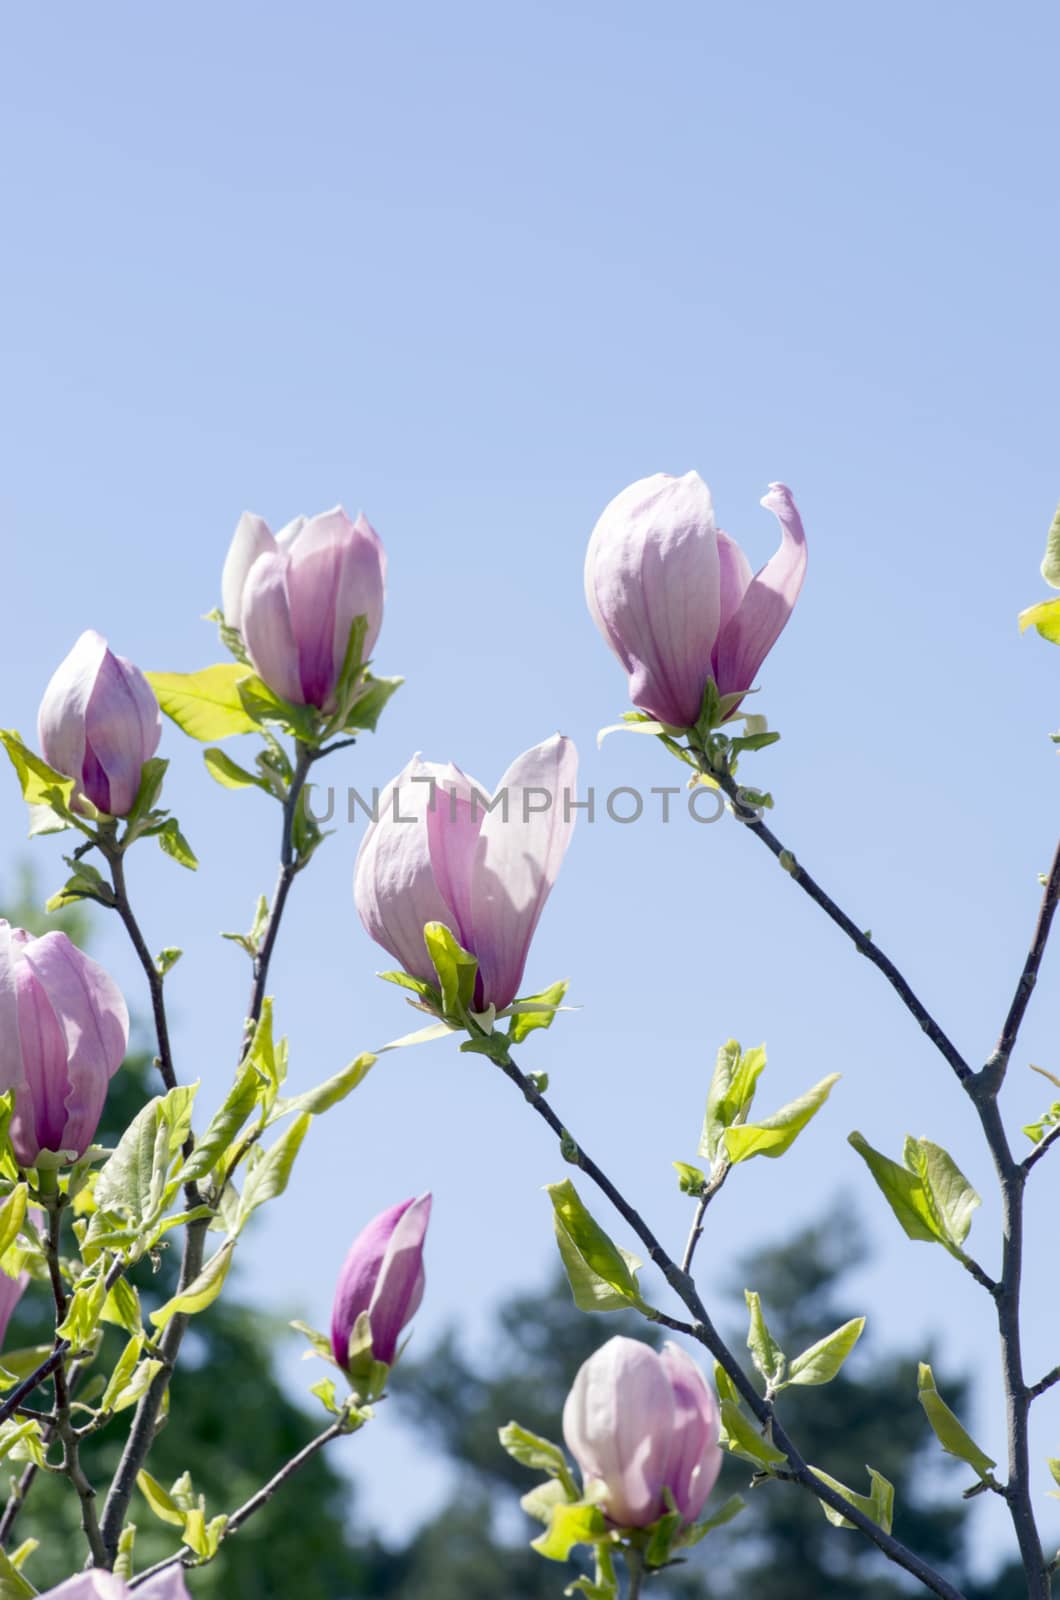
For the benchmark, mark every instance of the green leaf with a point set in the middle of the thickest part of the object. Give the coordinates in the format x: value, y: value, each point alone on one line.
x: 262, y: 705
x: 727, y: 1390
x: 726, y: 1511
x: 879, y: 1504
x: 580, y: 1523
x: 740, y: 1435
x: 953, y: 1197
x: 174, y: 844
x: 1051, y: 559
x: 530, y: 1450
x: 207, y: 704
x: 1045, y: 617
x: 768, y: 1357
x: 13, y: 1586
x: 690, y: 1179
x: 202, y: 1292
x: 85, y: 882
x: 121, y: 1308
x: 775, y: 1134
x: 930, y: 1196
x: 137, y: 1180
x: 123, y: 1371
x: 161, y: 1503
x: 12, y: 1216
x: 167, y: 959
x: 83, y: 1310
x: 331, y: 1091
x: 820, y: 1362
x: 228, y: 773
x: 602, y: 1277
x: 456, y: 969
x: 732, y: 1089
x: 269, y: 1175
x: 371, y: 702
x: 536, y: 1011
x: 949, y: 1432
x: 224, y: 1124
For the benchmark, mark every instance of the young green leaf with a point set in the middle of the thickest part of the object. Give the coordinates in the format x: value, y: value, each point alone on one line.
x: 224, y: 1124
x: 602, y: 1276
x: 740, y: 1435
x: 269, y: 1175
x: 775, y: 1134
x: 878, y: 1504
x: 731, y: 1092
x: 202, y: 1292
x: 206, y: 704
x: 1045, y: 616
x: 904, y: 1191
x: 953, y: 1197
x: 766, y: 1354
x: 821, y: 1361
x: 228, y: 773
x: 580, y: 1523
x: 456, y: 969
x: 530, y: 1450
x: 536, y: 1011
x: 949, y: 1432
x: 330, y: 1092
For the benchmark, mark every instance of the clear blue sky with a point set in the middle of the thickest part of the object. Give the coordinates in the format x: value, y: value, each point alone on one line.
x: 474, y: 268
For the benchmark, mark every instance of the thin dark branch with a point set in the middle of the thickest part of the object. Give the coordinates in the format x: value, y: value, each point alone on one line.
x: 124, y: 909
x: 186, y: 1557
x: 1012, y: 1177
x: 289, y: 869
x: 866, y: 946
x: 1043, y: 1384
x: 696, y: 1231
x: 1041, y: 1147
x: 13, y: 1401
x: 1029, y: 976
x: 704, y: 1331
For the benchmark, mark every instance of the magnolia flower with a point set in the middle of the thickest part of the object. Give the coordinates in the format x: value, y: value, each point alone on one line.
x: 674, y: 596
x: 64, y: 1027
x: 382, y: 1275
x: 100, y: 1585
x: 294, y: 598
x: 638, y: 1423
x: 11, y: 1292
x: 444, y: 850
x: 98, y: 723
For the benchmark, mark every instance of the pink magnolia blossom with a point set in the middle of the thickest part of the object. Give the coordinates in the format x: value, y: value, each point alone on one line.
x: 675, y: 598
x: 64, y: 1027
x: 294, y: 597
x: 445, y: 850
x: 98, y: 723
x: 99, y: 1585
x: 638, y: 1423
x: 383, y: 1275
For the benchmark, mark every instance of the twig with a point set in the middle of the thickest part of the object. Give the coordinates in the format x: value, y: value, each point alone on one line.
x: 866, y: 946
x: 705, y: 1332
x: 1041, y: 1147
x: 186, y: 1557
x: 1043, y: 1384
x: 696, y: 1232
x: 164, y: 1058
x: 13, y: 1401
x: 1029, y: 976
x: 289, y: 869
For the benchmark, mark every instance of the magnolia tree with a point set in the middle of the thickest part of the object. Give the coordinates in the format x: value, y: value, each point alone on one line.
x: 451, y: 880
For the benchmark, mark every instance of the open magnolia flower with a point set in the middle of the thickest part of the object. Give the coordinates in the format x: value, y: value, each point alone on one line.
x: 445, y: 850
x: 674, y: 596
x: 639, y: 1424
x: 97, y: 1585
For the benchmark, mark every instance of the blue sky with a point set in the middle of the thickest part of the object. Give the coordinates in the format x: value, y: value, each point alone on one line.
x: 474, y: 269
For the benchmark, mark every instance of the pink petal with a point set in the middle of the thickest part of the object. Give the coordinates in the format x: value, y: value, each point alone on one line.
x: 39, y: 1119
x: 250, y: 540
x: 11, y: 1292
x: 123, y: 728
x: 394, y: 887
x: 362, y: 582
x: 694, y: 1461
x: 92, y: 1013
x: 12, y: 1069
x: 399, y: 1287
x: 751, y: 632
x: 617, y: 1421
x: 61, y: 719
x: 652, y: 583
x: 267, y: 630
x: 517, y: 861
x: 734, y: 573
x: 454, y: 823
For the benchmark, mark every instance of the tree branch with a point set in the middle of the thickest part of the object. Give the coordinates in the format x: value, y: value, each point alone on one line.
x: 188, y: 1558
x: 164, y: 1059
x: 1029, y: 976
x: 1040, y: 1148
x: 866, y: 946
x: 1043, y: 1384
x: 705, y: 1332
x: 696, y: 1231
x: 289, y: 869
